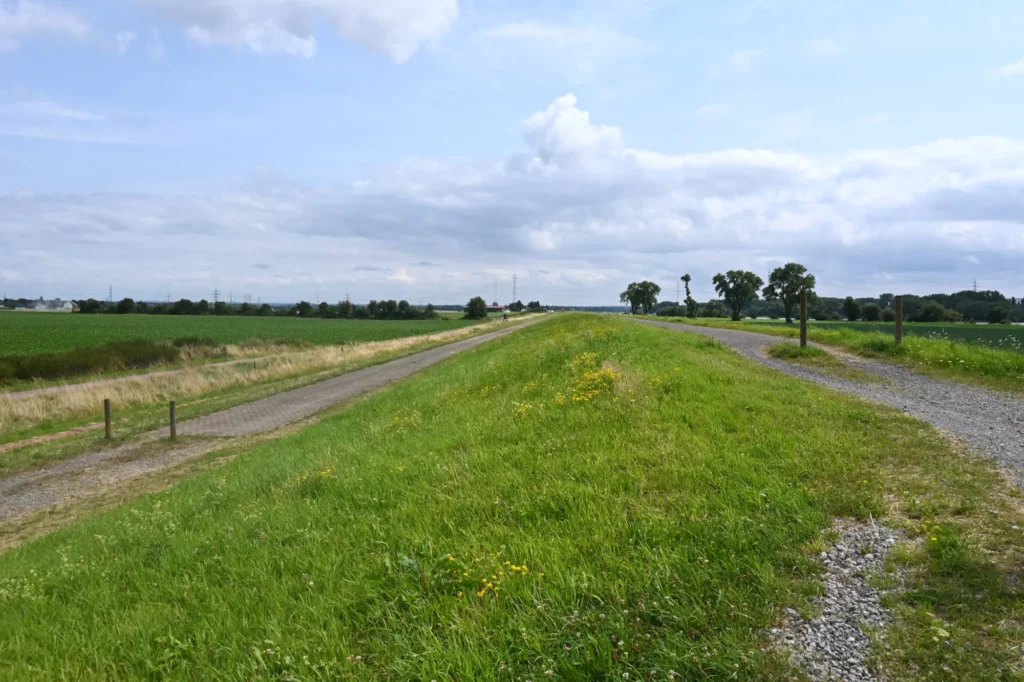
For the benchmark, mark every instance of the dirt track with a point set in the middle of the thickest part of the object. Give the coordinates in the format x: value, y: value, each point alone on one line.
x: 90, y: 474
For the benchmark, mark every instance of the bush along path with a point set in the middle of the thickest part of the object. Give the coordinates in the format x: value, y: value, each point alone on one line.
x: 990, y: 421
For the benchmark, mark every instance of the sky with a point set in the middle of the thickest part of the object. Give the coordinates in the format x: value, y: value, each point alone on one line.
x: 432, y: 150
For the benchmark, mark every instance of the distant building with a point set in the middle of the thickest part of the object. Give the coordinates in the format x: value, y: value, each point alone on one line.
x: 69, y: 305
x: 496, y: 308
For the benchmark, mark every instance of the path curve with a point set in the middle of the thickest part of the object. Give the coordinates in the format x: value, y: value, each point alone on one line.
x: 990, y: 421
x: 91, y: 473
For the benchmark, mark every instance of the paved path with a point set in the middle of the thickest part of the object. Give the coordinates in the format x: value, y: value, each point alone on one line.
x: 92, y: 473
x: 990, y: 421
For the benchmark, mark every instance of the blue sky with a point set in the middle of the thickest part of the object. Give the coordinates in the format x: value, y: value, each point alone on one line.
x: 424, y: 149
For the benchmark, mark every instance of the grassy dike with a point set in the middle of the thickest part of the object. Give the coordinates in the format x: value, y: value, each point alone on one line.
x: 585, y: 499
x: 998, y: 368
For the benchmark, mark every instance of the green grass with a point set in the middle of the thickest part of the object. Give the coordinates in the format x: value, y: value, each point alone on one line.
x: 1002, y: 336
x: 588, y: 497
x: 942, y: 357
x: 819, y: 360
x: 29, y: 332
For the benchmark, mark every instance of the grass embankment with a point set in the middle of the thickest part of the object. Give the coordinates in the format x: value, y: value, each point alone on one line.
x: 140, y: 402
x: 29, y: 332
x: 939, y: 357
x: 585, y: 500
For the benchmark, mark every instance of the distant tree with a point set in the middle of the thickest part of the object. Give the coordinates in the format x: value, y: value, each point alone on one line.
x: 871, y: 313
x: 785, y: 284
x: 998, y: 315
x: 125, y: 306
x: 476, y: 308
x: 533, y: 306
x: 737, y: 288
x: 691, y: 302
x: 885, y: 300
x: 403, y: 307
x: 222, y: 308
x: 932, y: 311
x: 245, y: 309
x: 303, y: 309
x: 371, y: 308
x: 323, y: 309
x: 429, y: 313
x: 202, y: 307
x: 516, y: 307
x: 387, y: 308
x: 89, y: 306
x: 183, y: 306
x: 345, y: 308
x: 888, y: 315
x: 640, y: 296
x: 851, y: 309
x: 265, y: 309
x: 714, y: 308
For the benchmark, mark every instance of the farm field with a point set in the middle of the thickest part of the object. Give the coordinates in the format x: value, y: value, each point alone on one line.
x: 30, y: 332
x: 1004, y: 336
x: 587, y: 499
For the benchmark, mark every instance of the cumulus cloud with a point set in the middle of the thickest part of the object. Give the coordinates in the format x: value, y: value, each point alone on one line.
x: 25, y: 20
x: 394, y: 27
x: 577, y: 215
x: 124, y: 40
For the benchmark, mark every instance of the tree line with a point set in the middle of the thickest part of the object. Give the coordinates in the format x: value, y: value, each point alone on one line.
x: 374, y: 310
x: 744, y: 293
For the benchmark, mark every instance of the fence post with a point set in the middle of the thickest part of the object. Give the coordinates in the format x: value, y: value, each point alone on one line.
x: 174, y: 426
x: 803, y: 318
x: 108, y: 430
x: 899, y: 319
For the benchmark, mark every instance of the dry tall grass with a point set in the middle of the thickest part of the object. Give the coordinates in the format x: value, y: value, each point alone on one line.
x: 81, y: 400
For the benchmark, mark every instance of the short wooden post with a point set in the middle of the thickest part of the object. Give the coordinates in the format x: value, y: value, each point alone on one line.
x: 174, y: 427
x: 899, y: 319
x: 108, y: 430
x: 803, y: 318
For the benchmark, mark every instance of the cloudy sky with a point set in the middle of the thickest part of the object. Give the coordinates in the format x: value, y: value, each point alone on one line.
x: 427, y: 149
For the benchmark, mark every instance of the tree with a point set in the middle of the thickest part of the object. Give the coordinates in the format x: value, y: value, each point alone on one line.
x: 714, y: 309
x: 125, y: 306
x: 403, y: 307
x: 533, y: 306
x: 516, y: 307
x: 323, y: 310
x: 371, y: 308
x: 429, y: 313
x: 888, y: 315
x: 265, y: 309
x: 345, y: 308
x: 737, y: 288
x: 222, y: 308
x: 640, y: 295
x: 302, y: 308
x: 691, y: 302
x: 203, y: 306
x: 476, y: 308
x: 785, y: 285
x: 851, y: 309
x: 885, y: 300
x: 871, y: 313
x: 995, y: 316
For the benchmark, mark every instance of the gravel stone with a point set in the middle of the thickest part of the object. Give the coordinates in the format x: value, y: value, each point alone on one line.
x: 835, y: 645
x: 989, y: 421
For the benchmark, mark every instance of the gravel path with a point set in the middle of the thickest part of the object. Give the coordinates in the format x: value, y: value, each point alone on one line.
x: 91, y: 473
x: 992, y: 422
x: 835, y: 645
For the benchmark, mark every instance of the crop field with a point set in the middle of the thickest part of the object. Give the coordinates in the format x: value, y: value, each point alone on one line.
x: 30, y: 332
x: 587, y: 499
x: 1007, y: 337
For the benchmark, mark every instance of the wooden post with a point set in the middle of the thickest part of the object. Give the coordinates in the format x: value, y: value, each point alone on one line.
x: 174, y: 427
x: 803, y: 318
x: 108, y: 430
x: 899, y: 319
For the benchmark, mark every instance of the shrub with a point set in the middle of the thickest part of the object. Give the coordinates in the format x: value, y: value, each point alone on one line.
x: 888, y: 315
x: 871, y: 313
x: 476, y: 308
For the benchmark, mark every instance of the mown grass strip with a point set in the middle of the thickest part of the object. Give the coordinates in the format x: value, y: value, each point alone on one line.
x: 587, y: 499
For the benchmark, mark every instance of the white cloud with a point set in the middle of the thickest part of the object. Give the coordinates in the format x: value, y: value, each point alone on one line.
x: 25, y: 20
x: 743, y: 61
x: 580, y: 213
x: 822, y: 47
x: 1009, y: 70
x: 713, y: 109
x: 124, y: 40
x: 395, y: 27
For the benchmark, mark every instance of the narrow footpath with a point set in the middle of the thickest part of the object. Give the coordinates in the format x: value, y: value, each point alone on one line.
x: 990, y: 421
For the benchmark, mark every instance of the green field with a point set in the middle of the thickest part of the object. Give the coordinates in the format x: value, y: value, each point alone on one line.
x: 1004, y: 336
x: 588, y: 499
x: 31, y: 332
